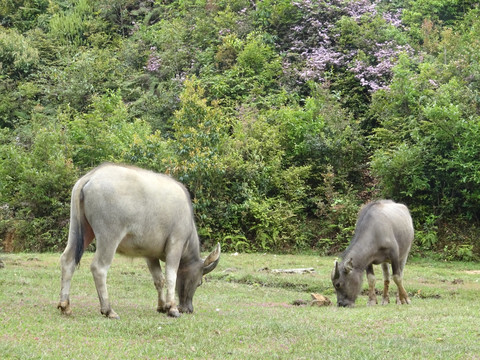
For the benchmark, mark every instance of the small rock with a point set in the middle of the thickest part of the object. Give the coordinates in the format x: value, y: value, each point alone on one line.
x: 320, y: 300
x: 2, y: 265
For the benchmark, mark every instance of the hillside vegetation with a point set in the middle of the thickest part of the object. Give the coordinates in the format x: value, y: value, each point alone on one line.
x: 281, y: 117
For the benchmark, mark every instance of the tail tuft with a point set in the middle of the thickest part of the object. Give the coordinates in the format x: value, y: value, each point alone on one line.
x: 79, y: 248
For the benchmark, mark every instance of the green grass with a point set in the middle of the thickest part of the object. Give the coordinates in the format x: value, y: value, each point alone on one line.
x: 241, y: 312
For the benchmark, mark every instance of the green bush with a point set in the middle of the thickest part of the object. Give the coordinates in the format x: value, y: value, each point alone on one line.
x: 84, y: 76
x: 37, y: 176
x: 281, y: 117
x: 21, y: 14
x: 253, y: 76
x: 70, y: 27
x: 38, y: 167
x: 427, y: 144
x: 18, y: 57
x: 18, y: 100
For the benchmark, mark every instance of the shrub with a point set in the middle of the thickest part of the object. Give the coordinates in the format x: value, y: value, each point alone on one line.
x: 80, y: 78
x: 37, y: 176
x: 426, y: 148
x: 70, y: 27
x: 18, y: 57
x: 40, y: 164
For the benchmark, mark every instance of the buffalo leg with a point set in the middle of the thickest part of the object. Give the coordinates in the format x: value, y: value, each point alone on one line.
x: 159, y: 281
x: 372, y: 297
x: 386, y: 284
x: 397, y: 270
x: 99, y: 267
x: 67, y: 261
x: 172, y: 262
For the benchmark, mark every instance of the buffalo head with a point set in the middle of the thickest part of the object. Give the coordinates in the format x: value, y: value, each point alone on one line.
x: 347, y: 282
x: 189, y: 277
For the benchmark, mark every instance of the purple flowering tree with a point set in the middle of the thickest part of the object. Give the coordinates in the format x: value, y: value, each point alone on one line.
x: 346, y: 35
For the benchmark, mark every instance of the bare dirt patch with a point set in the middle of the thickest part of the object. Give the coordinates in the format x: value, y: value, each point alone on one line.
x: 473, y: 272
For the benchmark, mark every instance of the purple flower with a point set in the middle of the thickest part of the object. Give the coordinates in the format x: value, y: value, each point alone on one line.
x: 356, y: 9
x: 224, y: 32
x: 394, y: 18
x: 318, y: 40
x: 153, y: 62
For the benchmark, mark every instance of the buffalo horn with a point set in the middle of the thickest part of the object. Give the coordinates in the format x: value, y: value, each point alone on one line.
x: 336, y: 273
x: 211, y: 260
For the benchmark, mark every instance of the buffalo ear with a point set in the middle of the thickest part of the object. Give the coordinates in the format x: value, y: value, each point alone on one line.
x: 336, y: 272
x: 211, y: 260
x: 348, y: 266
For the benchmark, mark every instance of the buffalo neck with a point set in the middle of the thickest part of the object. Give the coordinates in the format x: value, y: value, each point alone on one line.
x: 191, y: 251
x: 359, y: 251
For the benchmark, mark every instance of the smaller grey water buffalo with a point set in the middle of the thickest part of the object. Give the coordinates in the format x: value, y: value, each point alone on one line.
x: 137, y: 213
x: 383, y: 234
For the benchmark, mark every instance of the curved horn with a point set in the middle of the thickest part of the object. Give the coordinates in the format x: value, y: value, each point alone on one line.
x: 211, y: 260
x: 335, y: 273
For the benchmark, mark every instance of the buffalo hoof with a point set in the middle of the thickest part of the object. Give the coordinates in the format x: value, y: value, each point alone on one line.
x: 173, y: 313
x: 185, y: 310
x: 161, y: 309
x: 385, y: 301
x: 111, y: 314
x: 372, y: 302
x: 345, y: 305
x: 403, y: 301
x: 65, y: 308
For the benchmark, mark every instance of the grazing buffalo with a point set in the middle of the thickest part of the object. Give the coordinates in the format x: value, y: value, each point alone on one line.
x: 136, y: 213
x: 383, y: 234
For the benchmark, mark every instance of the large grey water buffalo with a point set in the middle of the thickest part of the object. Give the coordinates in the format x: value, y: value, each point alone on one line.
x: 137, y: 213
x: 383, y: 234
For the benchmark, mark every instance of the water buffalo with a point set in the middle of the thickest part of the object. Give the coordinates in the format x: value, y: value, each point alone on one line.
x: 137, y: 213
x: 383, y: 234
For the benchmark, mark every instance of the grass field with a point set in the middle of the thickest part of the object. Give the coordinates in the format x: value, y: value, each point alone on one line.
x: 242, y: 311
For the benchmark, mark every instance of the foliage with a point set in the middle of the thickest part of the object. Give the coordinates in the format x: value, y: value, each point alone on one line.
x: 340, y: 209
x: 427, y: 145
x: 17, y: 56
x: 18, y: 100
x: 36, y: 176
x: 337, y: 39
x: 281, y: 117
x: 250, y: 72
x: 197, y: 147
x: 74, y: 83
x: 38, y: 171
x: 71, y: 26
x: 104, y: 134
x: 21, y: 14
x: 441, y: 12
